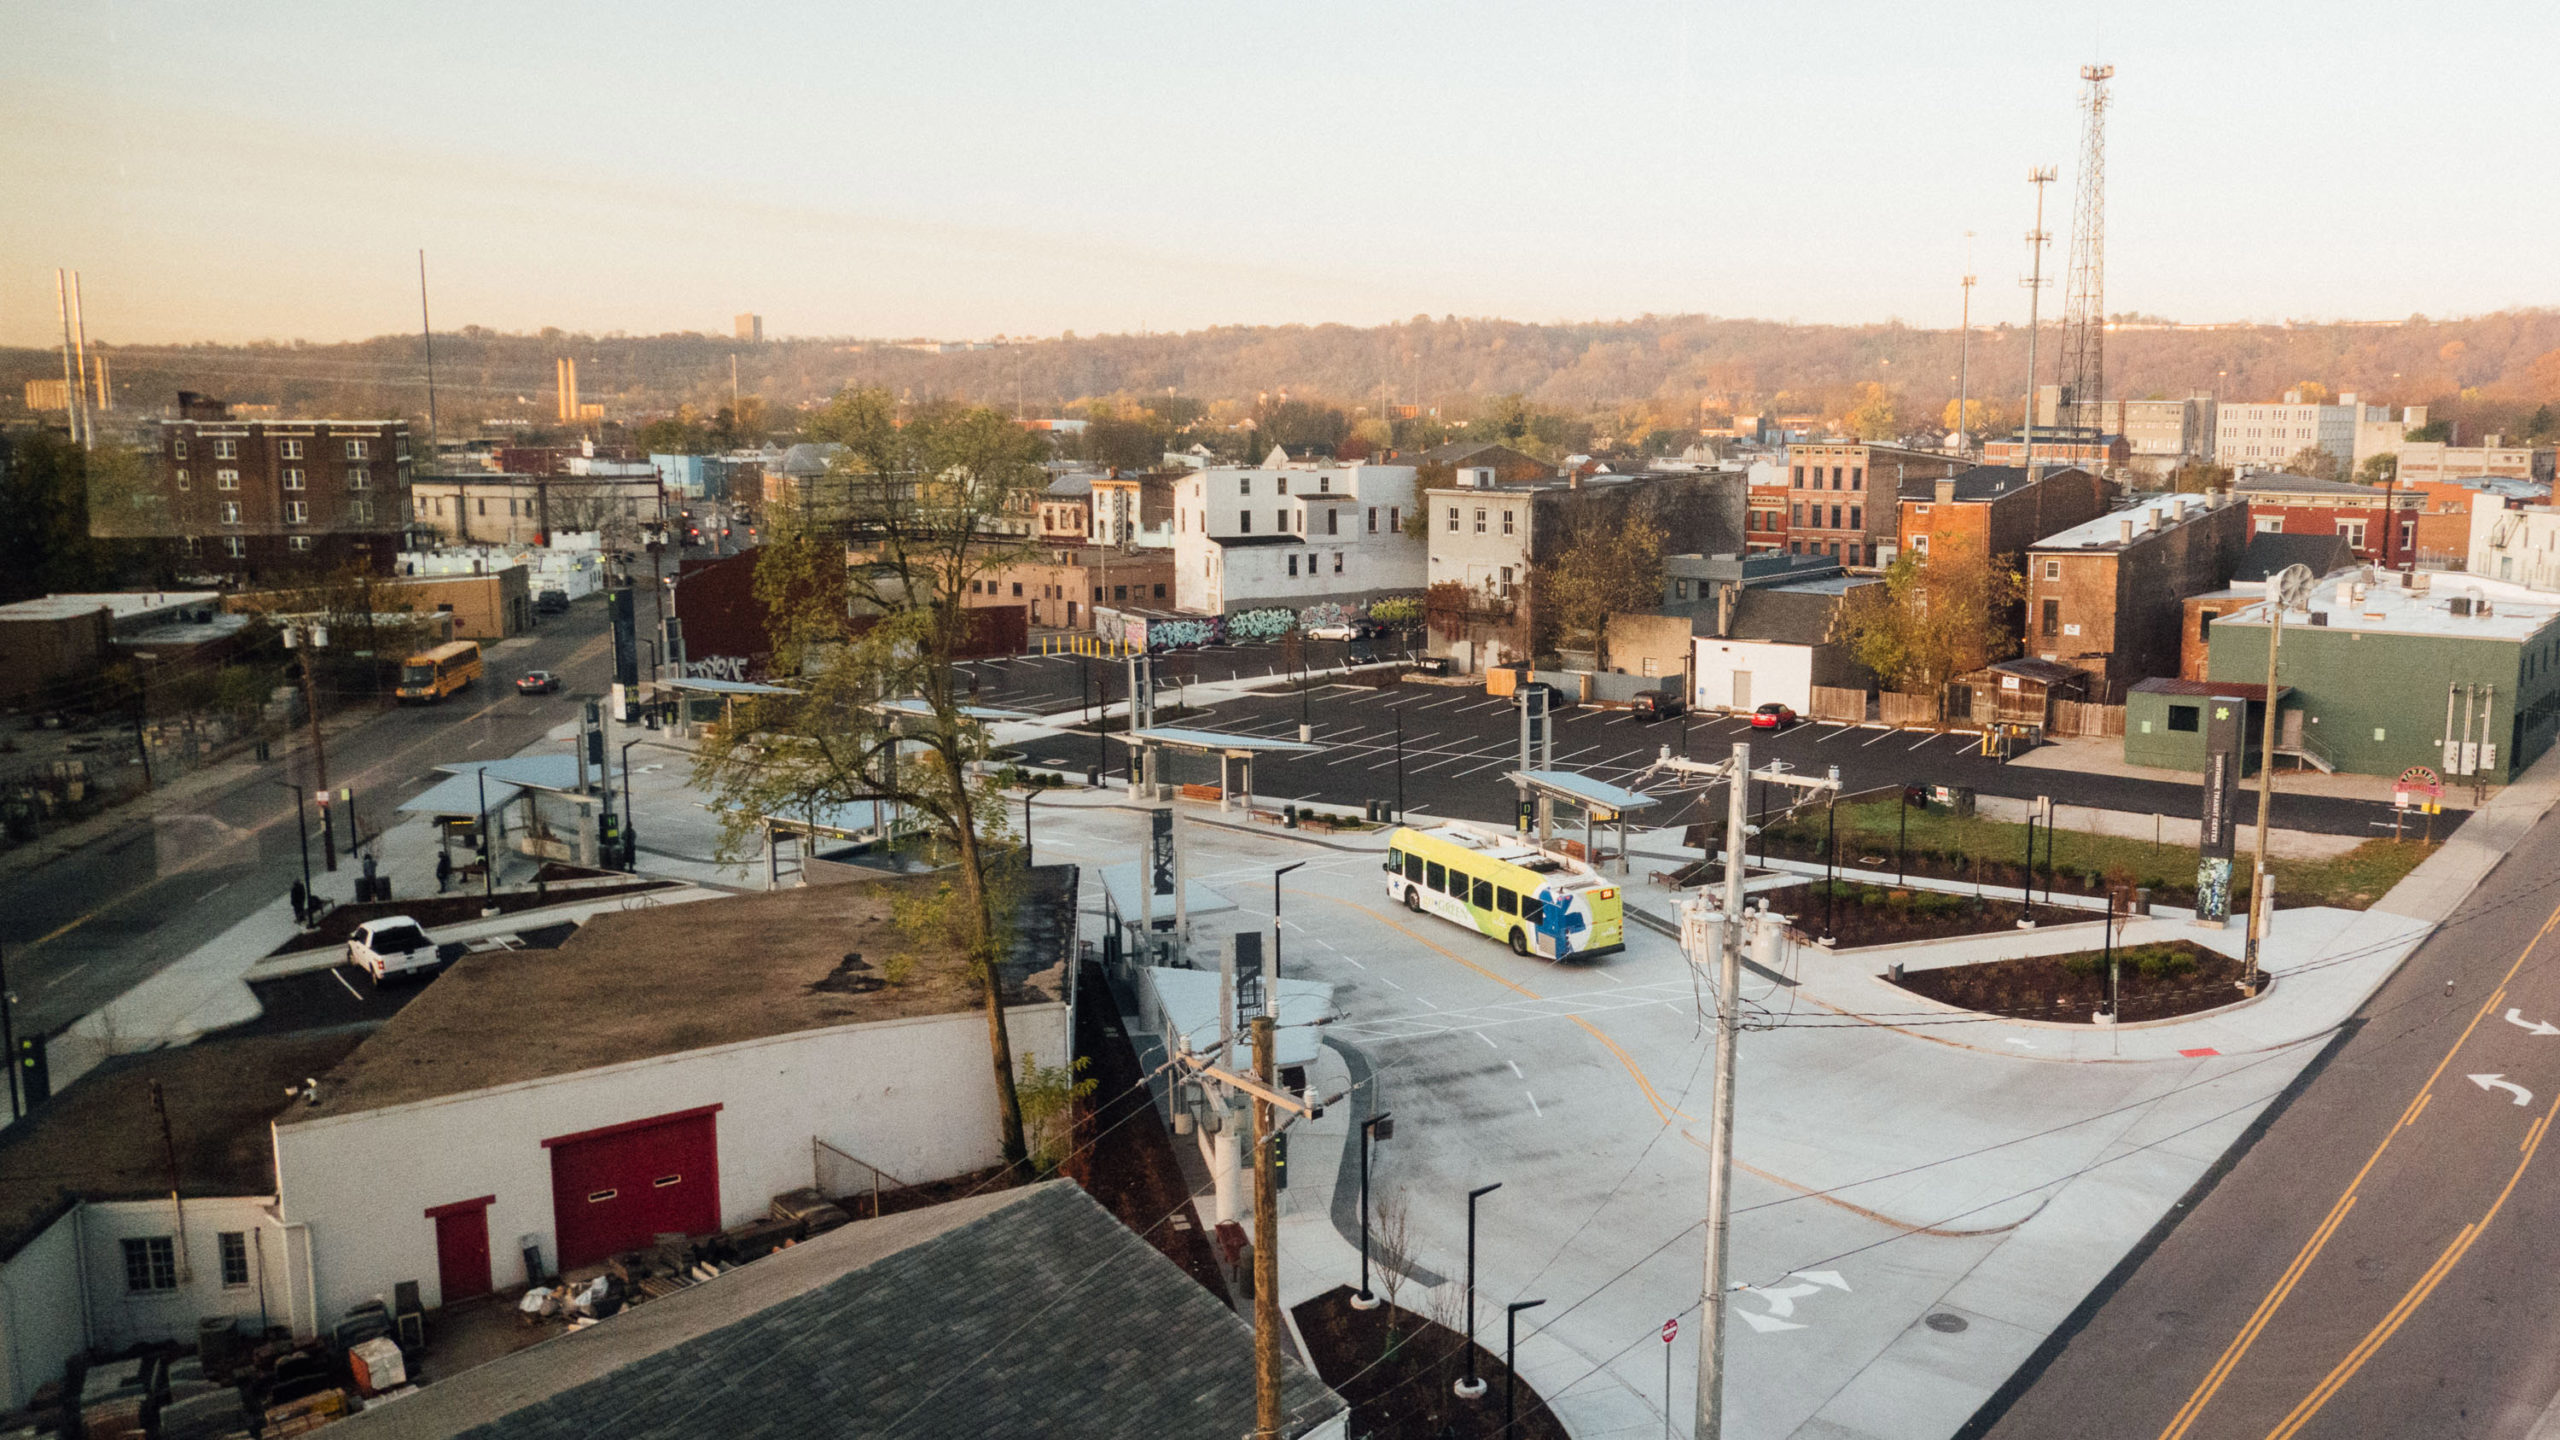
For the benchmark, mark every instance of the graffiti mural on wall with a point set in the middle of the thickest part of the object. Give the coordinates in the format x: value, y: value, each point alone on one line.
x: 1327, y: 614
x: 716, y: 667
x: 1260, y: 624
x: 1175, y: 634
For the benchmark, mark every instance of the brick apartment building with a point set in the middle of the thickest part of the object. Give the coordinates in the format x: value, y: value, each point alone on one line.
x: 1764, y: 523
x: 1997, y: 511
x: 248, y: 497
x: 2108, y: 597
x: 2283, y: 503
x: 2063, y: 445
x: 1843, y: 497
x: 1058, y: 589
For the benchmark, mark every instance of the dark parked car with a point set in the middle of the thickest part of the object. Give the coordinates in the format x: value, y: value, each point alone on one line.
x: 551, y: 602
x: 1557, y: 701
x: 537, y: 682
x: 1773, y: 716
x: 1658, y: 704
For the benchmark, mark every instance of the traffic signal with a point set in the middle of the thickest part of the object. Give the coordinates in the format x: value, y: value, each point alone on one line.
x: 1528, y: 819
x: 35, y: 1083
x: 1280, y: 1160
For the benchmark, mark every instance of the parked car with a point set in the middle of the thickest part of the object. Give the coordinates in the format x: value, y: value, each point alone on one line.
x: 537, y: 682
x: 392, y: 945
x: 1344, y: 631
x: 1773, y: 716
x: 1557, y: 700
x: 551, y: 602
x: 1658, y: 704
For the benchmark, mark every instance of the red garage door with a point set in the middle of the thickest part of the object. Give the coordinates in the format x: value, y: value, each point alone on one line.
x: 619, y: 1187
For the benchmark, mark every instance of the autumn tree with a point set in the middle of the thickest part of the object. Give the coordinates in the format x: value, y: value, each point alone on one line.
x: 1933, y: 617
x: 2197, y: 477
x: 868, y: 615
x: 1976, y: 420
x: 1609, y: 569
x: 2378, y: 469
x: 2315, y: 461
x: 1875, y: 413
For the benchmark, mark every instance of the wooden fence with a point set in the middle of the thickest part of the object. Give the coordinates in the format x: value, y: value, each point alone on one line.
x: 2073, y: 717
x: 1902, y: 710
x: 1848, y: 707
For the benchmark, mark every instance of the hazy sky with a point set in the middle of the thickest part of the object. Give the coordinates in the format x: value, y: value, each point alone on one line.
x: 269, y: 170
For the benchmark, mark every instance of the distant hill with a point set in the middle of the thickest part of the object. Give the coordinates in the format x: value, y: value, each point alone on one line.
x: 2486, y: 371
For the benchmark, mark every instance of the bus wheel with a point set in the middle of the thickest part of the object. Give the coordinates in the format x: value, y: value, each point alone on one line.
x: 1519, y: 942
x: 1413, y: 899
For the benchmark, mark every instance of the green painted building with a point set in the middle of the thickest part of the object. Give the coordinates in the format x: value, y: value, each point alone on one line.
x: 2455, y: 672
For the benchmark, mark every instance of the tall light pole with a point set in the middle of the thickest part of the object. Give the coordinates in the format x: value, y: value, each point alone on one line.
x: 1471, y: 1385
x: 310, y: 638
x: 1271, y: 992
x: 1964, y: 355
x: 2288, y: 587
x: 630, y: 832
x: 1510, y: 1359
x: 1376, y: 1127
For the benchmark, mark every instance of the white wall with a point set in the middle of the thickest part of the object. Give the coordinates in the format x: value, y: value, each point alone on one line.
x: 915, y: 1097
x: 1783, y: 673
x: 41, y: 1324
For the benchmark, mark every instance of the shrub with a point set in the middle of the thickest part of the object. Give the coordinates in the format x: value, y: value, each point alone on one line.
x: 1870, y: 895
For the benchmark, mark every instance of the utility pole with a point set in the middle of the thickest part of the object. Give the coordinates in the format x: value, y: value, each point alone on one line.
x: 1266, y: 1248
x: 2039, y: 177
x: 177, y: 1197
x: 1964, y: 356
x: 2084, y: 335
x: 309, y: 639
x: 2290, y: 586
x: 427, y: 330
x: 1710, y: 1422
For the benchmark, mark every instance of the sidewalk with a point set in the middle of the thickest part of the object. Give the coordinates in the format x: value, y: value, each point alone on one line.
x: 2104, y: 755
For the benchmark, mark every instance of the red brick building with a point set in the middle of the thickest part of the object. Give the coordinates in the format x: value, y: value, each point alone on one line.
x: 2109, y: 596
x: 1843, y: 497
x: 248, y: 497
x: 1997, y: 510
x: 1764, y: 522
x: 2281, y: 503
x: 2061, y: 446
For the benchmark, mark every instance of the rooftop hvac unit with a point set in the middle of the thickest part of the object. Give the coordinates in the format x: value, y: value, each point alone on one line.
x: 2320, y: 618
x: 2355, y: 593
x: 2458, y: 605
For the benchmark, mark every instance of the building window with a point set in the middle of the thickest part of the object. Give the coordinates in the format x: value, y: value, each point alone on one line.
x: 150, y: 1265
x: 297, y: 512
x: 1244, y: 522
x: 226, y: 449
x: 1506, y: 581
x: 1332, y: 522
x: 1097, y: 594
x: 289, y: 449
x: 1283, y: 483
x: 1293, y: 569
x: 1159, y: 592
x: 1280, y: 520
x: 1373, y: 519
x: 2353, y: 531
x: 2270, y: 525
x: 230, y: 512
x: 235, y: 546
x: 2053, y: 569
x: 182, y: 480
x: 293, y: 479
x: 1835, y: 477
x: 1453, y: 519
x: 2186, y: 719
x: 2049, y: 617
x: 360, y: 510
x: 1337, y: 562
x: 1119, y: 592
x: 1017, y: 589
x: 1798, y: 481
x: 1799, y: 515
x: 226, y: 479
x: 1857, y: 477
x: 359, y: 476
x: 1854, y: 523
x: 1324, y: 484
x: 1395, y: 517
x: 178, y: 448
x: 297, y: 542
x: 1853, y: 552
x: 1244, y: 485
x: 1679, y: 589
x: 2204, y: 623
x: 1506, y: 522
x: 359, y: 449
x: 1479, y: 519
x: 1835, y: 517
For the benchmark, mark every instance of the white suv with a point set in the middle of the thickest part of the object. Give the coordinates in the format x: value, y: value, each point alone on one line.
x: 392, y: 945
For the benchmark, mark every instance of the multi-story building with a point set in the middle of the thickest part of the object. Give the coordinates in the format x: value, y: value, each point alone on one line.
x: 249, y: 496
x: 2425, y: 460
x: 1294, y: 534
x: 2511, y: 540
x: 1135, y: 511
x: 1764, y: 523
x: 1060, y: 588
x: 2379, y: 522
x: 2107, y: 596
x: 1066, y: 511
x: 2444, y: 524
x: 531, y: 509
x: 2254, y: 436
x: 2159, y: 435
x: 1997, y: 510
x: 1842, y: 497
x: 2062, y: 445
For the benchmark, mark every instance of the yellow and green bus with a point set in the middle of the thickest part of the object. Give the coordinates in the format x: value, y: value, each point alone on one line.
x: 1502, y: 885
x: 433, y: 674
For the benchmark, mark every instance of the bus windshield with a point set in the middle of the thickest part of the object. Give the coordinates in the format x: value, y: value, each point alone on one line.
x: 417, y: 674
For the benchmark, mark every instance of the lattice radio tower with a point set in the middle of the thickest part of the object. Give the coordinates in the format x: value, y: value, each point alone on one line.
x: 2084, y: 339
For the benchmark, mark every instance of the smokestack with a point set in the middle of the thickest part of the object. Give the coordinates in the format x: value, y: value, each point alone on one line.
x: 1947, y: 490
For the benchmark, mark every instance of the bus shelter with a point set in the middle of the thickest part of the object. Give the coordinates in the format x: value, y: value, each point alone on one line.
x: 1600, y: 802
x: 693, y: 695
x: 1240, y: 750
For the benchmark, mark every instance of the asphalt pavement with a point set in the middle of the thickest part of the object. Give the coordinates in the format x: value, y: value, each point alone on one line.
x: 2373, y: 1264
x: 171, y: 874
x: 1055, y: 684
x: 1458, y: 742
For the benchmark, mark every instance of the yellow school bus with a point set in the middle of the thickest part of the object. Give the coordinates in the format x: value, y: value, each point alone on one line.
x: 1502, y: 885
x: 431, y: 675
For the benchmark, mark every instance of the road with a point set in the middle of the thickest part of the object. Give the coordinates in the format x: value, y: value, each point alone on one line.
x: 85, y: 927
x: 2376, y: 1262
x: 1458, y: 743
x: 1054, y: 684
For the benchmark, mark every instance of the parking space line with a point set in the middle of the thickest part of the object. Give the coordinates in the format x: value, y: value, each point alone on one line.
x: 1925, y: 739
x: 1533, y: 1105
x: 1837, y: 730
x: 1884, y: 735
x: 1489, y: 704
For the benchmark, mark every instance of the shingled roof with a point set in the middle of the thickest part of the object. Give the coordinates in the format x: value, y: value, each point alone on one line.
x: 1025, y: 1312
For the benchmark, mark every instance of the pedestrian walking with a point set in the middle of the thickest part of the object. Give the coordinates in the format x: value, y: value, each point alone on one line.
x: 444, y: 870
x: 301, y: 904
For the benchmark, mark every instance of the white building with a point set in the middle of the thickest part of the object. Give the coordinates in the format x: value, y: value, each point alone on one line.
x: 2249, y: 436
x: 1294, y: 534
x: 2426, y: 460
x: 663, y: 1071
x: 2512, y: 541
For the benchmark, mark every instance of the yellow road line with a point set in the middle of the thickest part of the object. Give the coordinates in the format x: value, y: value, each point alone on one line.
x: 2240, y: 1343
x: 2416, y: 1108
x: 66, y: 928
x: 2373, y: 1339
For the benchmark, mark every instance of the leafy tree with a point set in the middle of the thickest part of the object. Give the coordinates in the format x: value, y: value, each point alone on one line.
x: 2314, y: 461
x: 1876, y: 413
x: 1609, y: 569
x: 2378, y: 469
x: 45, y: 514
x: 1934, y: 617
x: 677, y: 434
x: 1976, y: 419
x: 1126, y: 443
x: 865, y: 596
x: 2313, y: 392
x: 2435, y: 432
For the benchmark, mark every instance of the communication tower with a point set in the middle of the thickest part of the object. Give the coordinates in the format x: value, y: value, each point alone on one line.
x: 2084, y: 336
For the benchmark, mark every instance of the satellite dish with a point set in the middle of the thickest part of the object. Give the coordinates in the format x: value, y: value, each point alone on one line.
x: 2291, y: 586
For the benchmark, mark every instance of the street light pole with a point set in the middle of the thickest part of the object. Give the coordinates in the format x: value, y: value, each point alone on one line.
x: 1471, y: 1386
x: 630, y: 832
x: 1271, y: 992
x: 1399, y: 767
x: 1369, y: 1131
x: 1026, y: 830
x: 1510, y: 1358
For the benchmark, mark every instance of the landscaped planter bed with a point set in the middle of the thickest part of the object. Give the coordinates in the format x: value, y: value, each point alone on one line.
x: 2160, y: 981
x: 1406, y: 1392
x: 1883, y: 915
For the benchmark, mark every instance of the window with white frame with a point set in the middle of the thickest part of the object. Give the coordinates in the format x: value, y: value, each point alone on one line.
x: 1506, y: 522
x: 2053, y: 569
x: 1324, y: 484
x: 235, y: 546
x: 150, y: 1265
x: 360, y: 511
x: 182, y: 480
x: 2353, y: 532
x: 234, y: 1248
x: 297, y: 542
x: 1479, y: 519
x: 297, y: 512
x: 1283, y: 483
x: 226, y: 479
x: 178, y: 447
x: 288, y: 449
x: 226, y: 449
x: 359, y: 449
x: 293, y: 479
x: 1244, y: 485
x: 230, y: 512
x: 359, y: 477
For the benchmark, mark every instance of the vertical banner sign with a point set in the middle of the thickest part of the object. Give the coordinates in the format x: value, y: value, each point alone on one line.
x: 1160, y: 855
x: 626, y: 644
x: 2225, y: 720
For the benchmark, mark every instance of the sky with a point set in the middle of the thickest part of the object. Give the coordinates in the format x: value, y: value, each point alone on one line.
x: 237, y: 172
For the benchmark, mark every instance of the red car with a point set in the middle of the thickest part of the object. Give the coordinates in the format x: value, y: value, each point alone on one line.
x: 1773, y: 716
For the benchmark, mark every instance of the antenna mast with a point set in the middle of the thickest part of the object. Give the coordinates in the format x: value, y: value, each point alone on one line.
x: 1964, y: 358
x: 2038, y: 176
x: 2084, y: 339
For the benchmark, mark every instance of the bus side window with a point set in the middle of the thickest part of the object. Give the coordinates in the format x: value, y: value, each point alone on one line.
x: 1533, y: 909
x: 1507, y: 901
x: 1395, y: 861
x: 1483, y: 897
x: 1413, y: 867
x: 1434, y: 876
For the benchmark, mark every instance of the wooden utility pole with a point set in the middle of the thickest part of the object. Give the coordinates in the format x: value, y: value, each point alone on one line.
x: 177, y: 1197
x: 1266, y: 1248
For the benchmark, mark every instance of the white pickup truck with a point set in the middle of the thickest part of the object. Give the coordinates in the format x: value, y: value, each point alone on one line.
x: 392, y: 945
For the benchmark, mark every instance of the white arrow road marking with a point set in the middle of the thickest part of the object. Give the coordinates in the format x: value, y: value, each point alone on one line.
x: 2494, y: 1082
x: 2538, y: 1027
x: 1826, y: 1277
x: 1782, y: 1298
x: 1765, y: 1323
